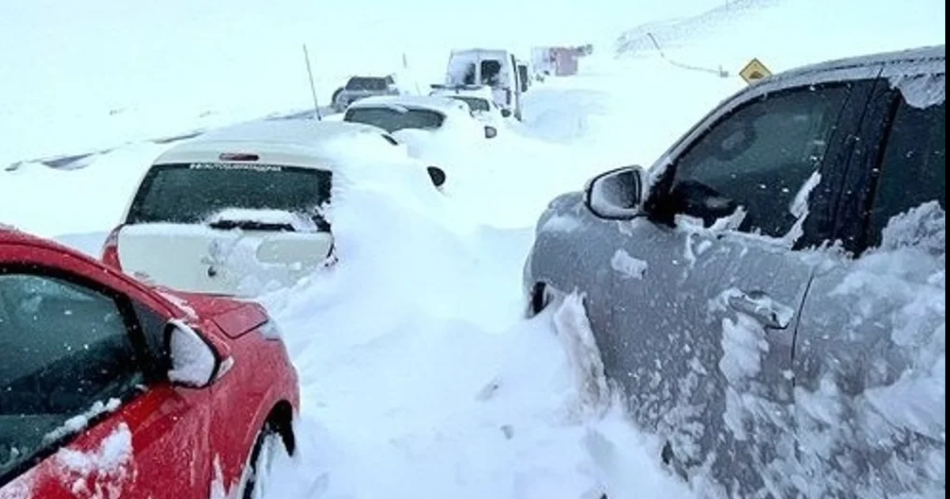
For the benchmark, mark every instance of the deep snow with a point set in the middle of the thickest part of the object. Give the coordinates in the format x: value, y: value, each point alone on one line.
x: 419, y: 376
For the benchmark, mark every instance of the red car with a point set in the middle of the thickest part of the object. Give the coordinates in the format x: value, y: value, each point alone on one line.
x: 111, y: 389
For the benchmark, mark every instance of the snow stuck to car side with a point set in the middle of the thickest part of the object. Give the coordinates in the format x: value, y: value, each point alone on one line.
x: 627, y: 265
x: 922, y: 91
x: 864, y: 428
x: 79, y: 423
x: 102, y: 473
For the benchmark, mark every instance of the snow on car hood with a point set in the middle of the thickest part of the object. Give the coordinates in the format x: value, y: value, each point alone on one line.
x: 103, y: 472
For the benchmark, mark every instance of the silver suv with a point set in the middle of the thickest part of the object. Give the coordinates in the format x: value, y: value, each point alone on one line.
x: 769, y: 297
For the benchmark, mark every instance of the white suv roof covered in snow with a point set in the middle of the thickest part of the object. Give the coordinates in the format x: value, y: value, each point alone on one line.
x: 290, y: 142
x: 269, y: 179
x: 442, y: 105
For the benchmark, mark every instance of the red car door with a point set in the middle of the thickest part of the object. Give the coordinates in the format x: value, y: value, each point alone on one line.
x: 86, y: 411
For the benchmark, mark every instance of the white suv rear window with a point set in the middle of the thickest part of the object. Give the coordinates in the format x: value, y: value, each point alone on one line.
x: 191, y: 193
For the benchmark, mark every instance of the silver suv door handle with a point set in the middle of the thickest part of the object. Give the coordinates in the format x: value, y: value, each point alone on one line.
x: 761, y: 307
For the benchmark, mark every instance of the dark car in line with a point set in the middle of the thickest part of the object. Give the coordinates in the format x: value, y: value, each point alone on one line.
x: 361, y: 87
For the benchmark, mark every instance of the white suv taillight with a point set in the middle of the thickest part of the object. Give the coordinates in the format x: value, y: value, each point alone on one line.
x: 110, y: 249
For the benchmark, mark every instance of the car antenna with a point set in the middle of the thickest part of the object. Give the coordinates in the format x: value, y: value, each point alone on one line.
x: 313, y: 86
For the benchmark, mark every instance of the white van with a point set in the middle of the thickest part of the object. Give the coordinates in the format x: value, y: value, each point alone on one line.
x: 496, y: 68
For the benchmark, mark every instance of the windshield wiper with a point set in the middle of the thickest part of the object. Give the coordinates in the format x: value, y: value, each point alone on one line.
x: 252, y: 225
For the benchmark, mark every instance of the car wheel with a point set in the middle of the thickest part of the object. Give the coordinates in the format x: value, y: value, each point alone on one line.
x: 274, y: 437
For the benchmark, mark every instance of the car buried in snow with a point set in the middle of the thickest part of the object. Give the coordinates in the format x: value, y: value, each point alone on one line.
x: 361, y: 87
x: 479, y: 99
x: 769, y: 297
x: 110, y: 388
x: 430, y: 114
x: 241, y: 211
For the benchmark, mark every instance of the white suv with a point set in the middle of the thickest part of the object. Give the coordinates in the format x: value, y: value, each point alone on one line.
x: 237, y: 212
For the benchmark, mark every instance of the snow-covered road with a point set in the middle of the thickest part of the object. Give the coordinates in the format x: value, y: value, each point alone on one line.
x: 420, y: 377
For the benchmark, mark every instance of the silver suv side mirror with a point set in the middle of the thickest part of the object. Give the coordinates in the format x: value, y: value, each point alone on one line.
x: 618, y: 194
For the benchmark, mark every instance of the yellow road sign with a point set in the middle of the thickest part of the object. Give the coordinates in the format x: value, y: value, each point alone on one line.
x: 754, y: 71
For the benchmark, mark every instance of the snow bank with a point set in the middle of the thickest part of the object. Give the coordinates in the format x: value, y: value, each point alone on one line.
x: 506, y: 181
x: 416, y: 333
x: 37, y: 198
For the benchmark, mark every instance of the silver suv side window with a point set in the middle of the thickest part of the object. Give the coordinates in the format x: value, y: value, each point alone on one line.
x: 914, y: 170
x: 760, y: 158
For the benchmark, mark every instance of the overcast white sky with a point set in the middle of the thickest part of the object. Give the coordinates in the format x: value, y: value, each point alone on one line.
x: 109, y: 50
x: 62, y: 34
x: 79, y: 56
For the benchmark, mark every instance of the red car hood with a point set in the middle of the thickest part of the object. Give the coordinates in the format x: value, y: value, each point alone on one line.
x: 233, y: 317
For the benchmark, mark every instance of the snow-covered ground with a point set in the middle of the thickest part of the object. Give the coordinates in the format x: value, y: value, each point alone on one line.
x: 420, y: 378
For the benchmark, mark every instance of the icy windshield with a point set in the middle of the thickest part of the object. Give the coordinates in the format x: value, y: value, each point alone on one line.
x: 477, y: 104
x: 393, y: 119
x: 190, y: 193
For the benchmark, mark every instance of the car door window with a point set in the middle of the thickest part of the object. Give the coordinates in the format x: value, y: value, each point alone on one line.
x: 760, y: 158
x: 914, y: 169
x: 491, y: 72
x: 63, y: 349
